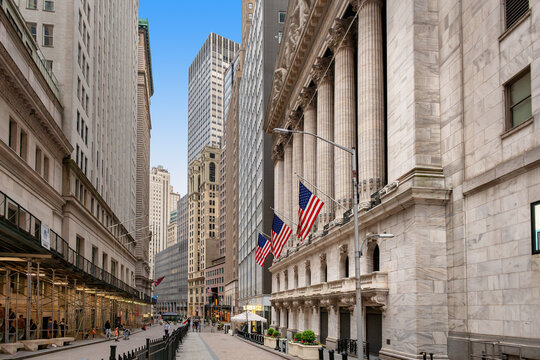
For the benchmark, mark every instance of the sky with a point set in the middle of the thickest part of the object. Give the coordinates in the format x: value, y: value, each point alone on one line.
x: 178, y: 29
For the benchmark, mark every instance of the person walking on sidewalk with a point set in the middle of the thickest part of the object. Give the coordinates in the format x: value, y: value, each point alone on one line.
x: 108, y: 329
x: 166, y: 327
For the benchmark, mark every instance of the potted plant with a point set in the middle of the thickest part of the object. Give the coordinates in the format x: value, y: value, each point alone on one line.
x: 293, y: 345
x: 268, y: 340
x: 308, y: 348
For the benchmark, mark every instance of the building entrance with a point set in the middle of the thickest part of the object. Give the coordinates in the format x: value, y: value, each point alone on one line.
x: 323, y: 321
x: 344, y: 324
x: 374, y: 330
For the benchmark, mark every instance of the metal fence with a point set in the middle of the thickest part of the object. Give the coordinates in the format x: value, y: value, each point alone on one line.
x: 157, y: 349
x: 255, y: 338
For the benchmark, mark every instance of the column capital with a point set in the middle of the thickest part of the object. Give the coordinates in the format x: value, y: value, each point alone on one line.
x: 359, y: 4
x: 294, y: 120
x: 341, y: 34
x: 307, y: 97
x: 322, y: 69
x: 277, y: 152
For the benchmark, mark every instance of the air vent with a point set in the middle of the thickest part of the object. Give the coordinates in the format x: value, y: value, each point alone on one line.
x: 514, y: 10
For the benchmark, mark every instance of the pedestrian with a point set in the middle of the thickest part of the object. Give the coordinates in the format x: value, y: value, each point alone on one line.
x: 33, y: 328
x: 93, y: 333
x: 166, y: 327
x: 116, y: 334
x: 62, y: 327
x: 21, y: 325
x: 108, y: 329
x: 55, y: 329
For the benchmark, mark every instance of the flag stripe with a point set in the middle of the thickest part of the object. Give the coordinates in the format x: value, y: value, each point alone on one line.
x: 309, y: 209
x: 312, y: 210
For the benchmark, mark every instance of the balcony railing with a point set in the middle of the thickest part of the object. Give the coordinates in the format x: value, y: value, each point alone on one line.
x: 21, y: 220
x: 375, y: 280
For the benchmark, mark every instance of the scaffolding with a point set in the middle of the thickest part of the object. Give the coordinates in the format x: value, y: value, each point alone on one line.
x: 55, y: 291
x: 38, y: 301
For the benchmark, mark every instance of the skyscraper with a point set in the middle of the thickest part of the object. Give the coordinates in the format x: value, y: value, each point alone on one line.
x: 205, y: 93
x: 159, y: 211
x: 145, y: 89
x: 94, y: 56
x: 255, y: 173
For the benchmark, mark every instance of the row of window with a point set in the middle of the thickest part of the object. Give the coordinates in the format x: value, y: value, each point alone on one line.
x: 48, y: 5
x: 18, y: 142
x: 48, y: 33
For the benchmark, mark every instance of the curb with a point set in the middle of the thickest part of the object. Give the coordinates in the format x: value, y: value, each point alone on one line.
x: 62, y: 348
x: 266, y: 348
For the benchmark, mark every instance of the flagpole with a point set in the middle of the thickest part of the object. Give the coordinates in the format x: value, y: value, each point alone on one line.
x: 322, y: 192
x: 286, y: 217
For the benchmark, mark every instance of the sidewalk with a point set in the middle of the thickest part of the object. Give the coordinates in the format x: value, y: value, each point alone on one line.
x: 91, y: 349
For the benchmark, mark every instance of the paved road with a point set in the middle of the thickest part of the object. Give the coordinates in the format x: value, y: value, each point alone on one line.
x: 102, y: 350
x: 218, y: 346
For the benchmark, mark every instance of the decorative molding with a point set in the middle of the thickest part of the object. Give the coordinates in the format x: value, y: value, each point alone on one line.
x: 307, y: 264
x: 322, y: 258
x: 359, y: 4
x: 308, y: 98
x: 343, y: 249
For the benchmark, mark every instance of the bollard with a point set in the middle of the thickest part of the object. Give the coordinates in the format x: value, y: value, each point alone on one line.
x: 424, y: 355
x: 113, y: 352
x: 430, y: 356
x: 344, y: 355
x: 148, y: 348
x: 331, y: 354
x: 321, y: 353
x: 277, y: 345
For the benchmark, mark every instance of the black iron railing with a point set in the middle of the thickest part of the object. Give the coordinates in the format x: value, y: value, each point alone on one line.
x: 23, y: 221
x: 255, y: 338
x: 350, y: 346
x: 157, y: 349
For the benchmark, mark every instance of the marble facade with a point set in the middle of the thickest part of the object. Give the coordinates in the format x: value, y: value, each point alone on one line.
x: 418, y: 87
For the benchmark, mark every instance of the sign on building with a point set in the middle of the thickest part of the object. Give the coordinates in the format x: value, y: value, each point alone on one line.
x: 45, y: 237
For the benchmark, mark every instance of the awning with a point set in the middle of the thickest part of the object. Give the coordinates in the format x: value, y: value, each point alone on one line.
x: 247, y: 316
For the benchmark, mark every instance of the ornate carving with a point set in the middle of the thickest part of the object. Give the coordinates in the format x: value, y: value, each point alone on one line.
x: 343, y: 249
x: 294, y: 119
x: 295, y: 270
x: 307, y: 264
x: 322, y: 258
x: 376, y: 299
x: 347, y: 301
x: 322, y: 69
x: 277, y: 152
x: 341, y: 35
x: 359, y: 4
x: 307, y: 97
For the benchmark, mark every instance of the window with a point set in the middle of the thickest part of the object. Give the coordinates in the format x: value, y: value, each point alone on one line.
x: 535, y: 227
x: 32, y: 27
x: 104, y: 261
x: 281, y: 17
x: 514, y: 10
x: 23, y: 145
x: 12, y: 140
x: 48, y: 65
x: 31, y: 4
x: 48, y: 5
x: 212, y: 172
x: 518, y: 99
x: 48, y: 35
x: 46, y: 168
x: 37, y: 161
x: 250, y: 16
x: 250, y: 6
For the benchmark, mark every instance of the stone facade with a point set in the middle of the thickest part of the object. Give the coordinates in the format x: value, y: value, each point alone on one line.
x: 440, y: 166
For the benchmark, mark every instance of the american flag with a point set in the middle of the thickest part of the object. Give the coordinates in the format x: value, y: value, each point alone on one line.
x: 263, y: 249
x: 310, y: 206
x: 280, y: 235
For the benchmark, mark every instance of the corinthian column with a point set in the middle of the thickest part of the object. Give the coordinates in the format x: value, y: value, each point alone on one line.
x: 370, y: 100
x: 287, y: 188
x: 323, y: 76
x: 344, y: 111
x: 277, y: 157
x: 298, y: 165
x: 310, y: 143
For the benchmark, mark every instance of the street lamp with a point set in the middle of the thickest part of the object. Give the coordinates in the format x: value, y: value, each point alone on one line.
x: 359, y: 313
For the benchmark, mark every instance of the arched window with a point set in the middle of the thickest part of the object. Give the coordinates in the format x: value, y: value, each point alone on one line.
x: 212, y: 172
x: 346, y: 264
x: 325, y: 273
x: 376, y: 261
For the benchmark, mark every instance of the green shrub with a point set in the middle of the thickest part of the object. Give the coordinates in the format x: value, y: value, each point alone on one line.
x: 269, y: 332
x: 276, y: 334
x: 308, y: 337
x: 298, y: 337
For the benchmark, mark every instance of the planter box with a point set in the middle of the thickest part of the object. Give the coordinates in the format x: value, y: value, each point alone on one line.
x: 307, y: 352
x: 293, y: 348
x: 271, y: 341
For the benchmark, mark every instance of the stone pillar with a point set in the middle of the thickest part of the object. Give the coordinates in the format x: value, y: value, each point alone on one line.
x: 333, y: 326
x: 314, y: 323
x: 371, y: 136
x: 277, y: 157
x: 308, y: 102
x: 323, y: 76
x: 283, y: 321
x: 287, y: 188
x: 275, y: 319
x: 300, y: 319
x: 298, y: 168
x: 344, y: 111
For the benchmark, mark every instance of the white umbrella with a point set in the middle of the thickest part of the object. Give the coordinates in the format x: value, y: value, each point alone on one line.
x: 247, y: 316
